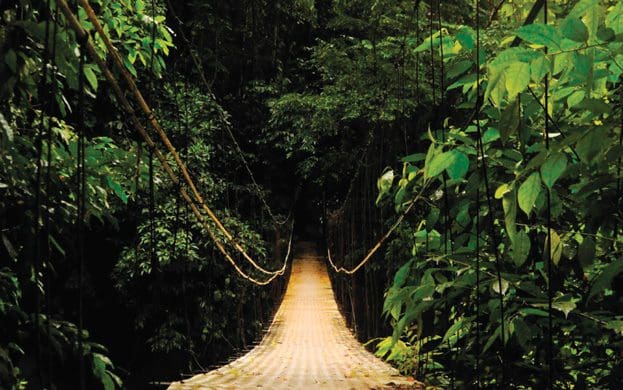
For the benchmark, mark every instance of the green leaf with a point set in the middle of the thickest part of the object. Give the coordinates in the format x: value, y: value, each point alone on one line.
x: 574, y: 29
x: 615, y: 325
x: 459, y: 165
x: 384, y: 184
x: 540, y: 34
x: 438, y: 164
x: 466, y: 37
x: 416, y: 157
x: 452, y: 330
x: 528, y: 192
x: 401, y: 276
x: 492, y: 339
x: 605, y: 278
x: 117, y: 189
x: 521, y: 248
x: 517, y: 78
x: 6, y: 128
x: 614, y: 20
x: 539, y: 67
x: 565, y: 306
x: 509, y: 203
x: 533, y: 312
x: 495, y: 285
x: 91, y: 77
x: 509, y: 122
x: 502, y: 189
x: 556, y: 247
x: 553, y: 168
x: 575, y: 98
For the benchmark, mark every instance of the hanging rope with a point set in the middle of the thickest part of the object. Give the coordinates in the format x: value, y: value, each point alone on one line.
x: 378, y: 244
x: 118, y: 63
x: 47, y: 202
x: 221, y: 117
x: 38, y: 261
x: 478, y: 255
x: 81, y: 201
x: 194, y: 199
x: 550, y: 343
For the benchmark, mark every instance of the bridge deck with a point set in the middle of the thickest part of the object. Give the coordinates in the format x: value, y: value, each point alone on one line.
x: 307, y: 346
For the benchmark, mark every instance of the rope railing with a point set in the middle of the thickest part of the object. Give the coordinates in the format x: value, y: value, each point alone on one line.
x: 379, y: 242
x: 221, y: 116
x: 194, y: 198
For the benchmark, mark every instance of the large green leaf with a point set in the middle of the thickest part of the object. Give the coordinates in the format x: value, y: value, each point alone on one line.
x: 517, y: 78
x: 509, y: 203
x: 553, y: 168
x: 574, y: 29
x: 117, y: 189
x: 528, y: 192
x: 521, y: 248
x: 556, y: 247
x: 541, y: 34
x: 459, y: 165
x: 454, y: 161
x: 509, y: 122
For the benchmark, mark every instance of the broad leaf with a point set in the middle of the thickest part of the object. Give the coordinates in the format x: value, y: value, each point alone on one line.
x: 517, y: 78
x: 540, y: 34
x: 509, y: 122
x: 574, y: 29
x: 528, y: 192
x: 553, y: 168
x: 521, y: 248
x: 556, y: 247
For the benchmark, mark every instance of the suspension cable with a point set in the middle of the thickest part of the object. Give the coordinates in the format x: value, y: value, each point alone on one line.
x: 38, y: 261
x: 479, y: 130
x: 163, y: 136
x: 48, y: 198
x: 227, y: 126
x: 550, y: 343
x: 194, y: 196
x: 81, y: 201
x: 378, y: 244
x: 195, y: 201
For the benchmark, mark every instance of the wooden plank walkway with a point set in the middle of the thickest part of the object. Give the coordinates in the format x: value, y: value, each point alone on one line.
x: 308, y: 345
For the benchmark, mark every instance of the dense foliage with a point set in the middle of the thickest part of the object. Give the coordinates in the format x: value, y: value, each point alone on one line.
x: 506, y: 131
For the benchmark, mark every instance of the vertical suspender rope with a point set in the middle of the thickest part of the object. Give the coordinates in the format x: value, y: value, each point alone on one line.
x: 192, y: 197
x: 81, y: 185
x: 618, y: 201
x: 417, y: 55
x: 550, y: 346
x: 494, y: 249
x: 447, y: 234
x: 477, y: 109
x: 38, y: 262
x: 432, y: 53
x: 48, y: 202
x: 152, y: 215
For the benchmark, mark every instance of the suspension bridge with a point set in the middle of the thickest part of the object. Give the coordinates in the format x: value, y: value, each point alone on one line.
x: 308, y: 344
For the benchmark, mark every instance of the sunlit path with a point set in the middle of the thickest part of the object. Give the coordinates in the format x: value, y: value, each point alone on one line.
x: 307, y: 346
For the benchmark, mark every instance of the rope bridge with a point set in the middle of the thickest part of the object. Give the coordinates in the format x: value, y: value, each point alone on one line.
x: 308, y: 342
